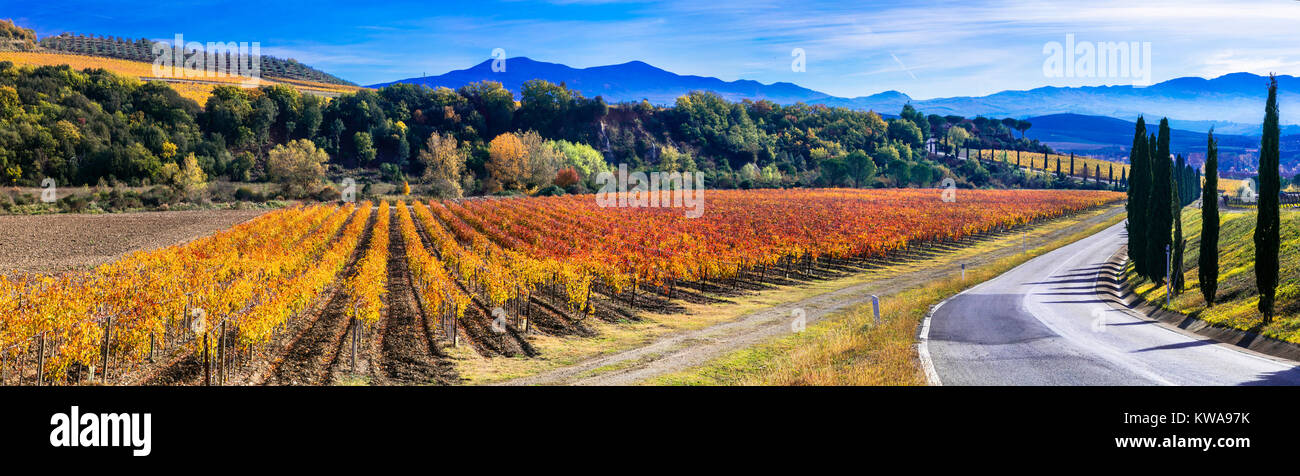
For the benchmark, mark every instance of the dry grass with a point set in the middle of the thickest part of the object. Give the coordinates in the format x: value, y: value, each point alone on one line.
x: 1237, y: 296
x: 848, y: 348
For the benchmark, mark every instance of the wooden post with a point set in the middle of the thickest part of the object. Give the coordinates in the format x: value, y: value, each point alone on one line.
x: 108, y: 327
x: 221, y: 355
x: 40, y: 362
x: 207, y: 368
x: 356, y: 327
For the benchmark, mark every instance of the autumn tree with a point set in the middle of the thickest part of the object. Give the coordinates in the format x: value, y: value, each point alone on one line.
x: 444, y: 164
x: 507, y: 161
x: 186, y: 177
x: 542, y: 159
x: 299, y: 167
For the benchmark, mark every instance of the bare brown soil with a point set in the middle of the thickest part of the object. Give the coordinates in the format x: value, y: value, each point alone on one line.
x: 314, y: 352
x: 408, y: 353
x: 69, y: 242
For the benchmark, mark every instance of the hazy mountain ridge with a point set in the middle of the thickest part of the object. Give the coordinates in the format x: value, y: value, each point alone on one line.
x: 1232, y: 103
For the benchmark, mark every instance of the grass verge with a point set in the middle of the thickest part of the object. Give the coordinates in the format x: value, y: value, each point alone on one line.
x: 1237, y: 300
x: 848, y: 348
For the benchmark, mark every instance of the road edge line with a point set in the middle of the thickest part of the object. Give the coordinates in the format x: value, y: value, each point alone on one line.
x: 923, y: 347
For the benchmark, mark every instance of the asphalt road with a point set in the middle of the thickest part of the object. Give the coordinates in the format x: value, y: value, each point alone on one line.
x: 1042, y: 323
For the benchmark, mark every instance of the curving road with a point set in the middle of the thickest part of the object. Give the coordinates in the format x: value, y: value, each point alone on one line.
x: 1042, y: 323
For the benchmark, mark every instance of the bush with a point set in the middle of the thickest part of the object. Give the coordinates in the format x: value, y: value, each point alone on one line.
x: 391, y: 173
x: 158, y: 196
x: 74, y: 203
x: 327, y: 194
x: 245, y: 194
x: 551, y: 191
x: 577, y: 189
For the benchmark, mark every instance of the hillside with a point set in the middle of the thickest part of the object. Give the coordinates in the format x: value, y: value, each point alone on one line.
x: 197, y: 90
x: 1237, y: 301
x: 142, y: 50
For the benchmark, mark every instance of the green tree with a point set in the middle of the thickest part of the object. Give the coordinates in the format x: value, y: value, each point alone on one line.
x: 1268, y: 224
x: 1138, y: 193
x: 861, y: 169
x: 1208, y: 266
x: 1179, y: 244
x: 1023, y: 126
x: 364, y: 147
x: 1160, y: 217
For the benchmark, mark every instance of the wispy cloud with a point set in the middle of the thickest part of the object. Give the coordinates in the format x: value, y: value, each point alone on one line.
x: 929, y: 49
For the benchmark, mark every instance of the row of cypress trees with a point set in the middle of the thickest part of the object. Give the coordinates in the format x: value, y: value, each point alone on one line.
x: 1152, y: 201
x: 1159, y: 187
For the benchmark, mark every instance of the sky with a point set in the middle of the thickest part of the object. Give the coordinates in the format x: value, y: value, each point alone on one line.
x: 923, y: 49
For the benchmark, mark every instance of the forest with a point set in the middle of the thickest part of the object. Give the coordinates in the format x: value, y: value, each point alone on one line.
x: 94, y: 127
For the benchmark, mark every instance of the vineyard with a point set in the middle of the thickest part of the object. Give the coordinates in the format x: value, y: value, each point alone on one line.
x: 1076, y: 166
x: 305, y: 295
x: 197, y: 90
x: 142, y: 50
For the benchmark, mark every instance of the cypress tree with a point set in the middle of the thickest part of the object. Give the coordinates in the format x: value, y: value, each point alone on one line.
x: 1179, y: 244
x: 1160, y: 219
x: 1096, y: 176
x: 1179, y: 172
x: 1267, y: 232
x: 1137, y: 197
x: 1208, y: 266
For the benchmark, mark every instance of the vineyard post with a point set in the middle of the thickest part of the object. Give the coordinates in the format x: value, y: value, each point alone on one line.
x: 40, y: 362
x: 108, y: 328
x: 221, y: 355
x: 356, y: 327
x: 207, y: 368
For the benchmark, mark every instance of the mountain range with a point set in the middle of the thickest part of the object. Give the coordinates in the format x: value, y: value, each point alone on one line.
x: 1232, y: 103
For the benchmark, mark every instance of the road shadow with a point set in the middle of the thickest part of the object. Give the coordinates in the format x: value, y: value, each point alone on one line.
x: 1289, y: 376
x: 1180, y: 345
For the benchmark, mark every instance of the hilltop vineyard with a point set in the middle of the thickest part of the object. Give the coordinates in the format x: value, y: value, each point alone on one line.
x: 1081, y: 166
x: 275, y: 299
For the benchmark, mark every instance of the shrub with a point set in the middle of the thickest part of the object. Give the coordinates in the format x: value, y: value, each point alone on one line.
x: 328, y: 194
x: 551, y: 191
x: 245, y: 194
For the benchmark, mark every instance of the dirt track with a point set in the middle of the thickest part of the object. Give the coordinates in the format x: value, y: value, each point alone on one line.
x: 68, y: 242
x: 688, y: 349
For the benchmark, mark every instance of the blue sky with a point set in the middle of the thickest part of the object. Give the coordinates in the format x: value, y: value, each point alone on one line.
x: 924, y: 49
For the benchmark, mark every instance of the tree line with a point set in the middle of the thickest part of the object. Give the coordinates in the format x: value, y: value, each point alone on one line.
x: 92, y: 126
x: 1161, y: 185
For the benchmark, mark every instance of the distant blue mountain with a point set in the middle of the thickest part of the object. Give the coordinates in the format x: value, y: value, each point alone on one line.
x: 632, y: 81
x: 1081, y: 133
x: 1095, y: 120
x: 1232, y: 103
x: 1110, y: 137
